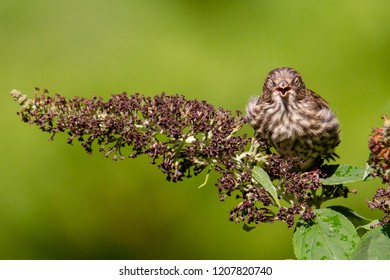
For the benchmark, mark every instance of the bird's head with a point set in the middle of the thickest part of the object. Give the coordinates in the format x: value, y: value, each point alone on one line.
x: 283, y: 82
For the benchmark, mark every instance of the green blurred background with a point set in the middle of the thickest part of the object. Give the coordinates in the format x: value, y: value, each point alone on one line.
x: 56, y: 202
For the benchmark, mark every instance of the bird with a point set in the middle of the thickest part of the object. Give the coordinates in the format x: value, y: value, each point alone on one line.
x: 294, y: 120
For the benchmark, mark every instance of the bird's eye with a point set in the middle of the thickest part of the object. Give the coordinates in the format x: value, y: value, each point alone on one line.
x: 270, y: 83
x: 297, y: 81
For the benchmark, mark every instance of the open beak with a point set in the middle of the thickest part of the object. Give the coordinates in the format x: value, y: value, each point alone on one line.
x: 283, y: 88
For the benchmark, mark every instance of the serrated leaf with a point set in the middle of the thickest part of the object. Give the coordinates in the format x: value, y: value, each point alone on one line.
x: 369, y: 226
x: 355, y: 218
x: 263, y: 179
x: 330, y: 236
x: 375, y: 245
x: 344, y: 174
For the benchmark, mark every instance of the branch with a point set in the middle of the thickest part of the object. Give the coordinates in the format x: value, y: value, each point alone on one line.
x: 183, y: 138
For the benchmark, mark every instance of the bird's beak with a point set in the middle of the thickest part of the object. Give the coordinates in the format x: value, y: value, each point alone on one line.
x: 283, y: 88
x: 283, y: 84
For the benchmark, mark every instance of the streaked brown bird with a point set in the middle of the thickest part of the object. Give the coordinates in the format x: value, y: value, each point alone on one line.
x: 296, y: 121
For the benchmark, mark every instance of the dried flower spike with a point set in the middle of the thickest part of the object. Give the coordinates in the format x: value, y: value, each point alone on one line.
x: 183, y: 138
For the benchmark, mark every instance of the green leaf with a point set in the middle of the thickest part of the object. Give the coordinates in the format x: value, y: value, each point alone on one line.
x: 330, y: 236
x: 375, y: 245
x: 359, y: 222
x: 356, y: 219
x: 263, y: 179
x: 369, y: 226
x: 206, y: 178
x: 344, y: 174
